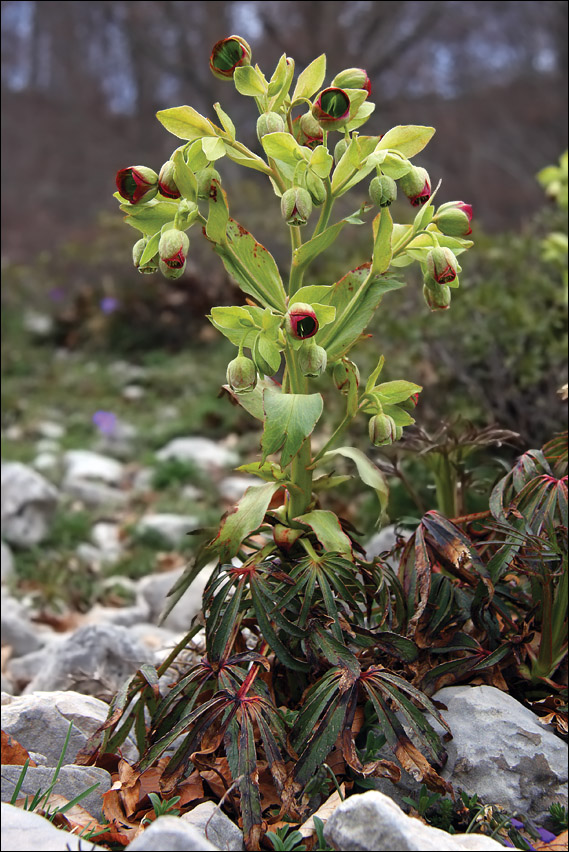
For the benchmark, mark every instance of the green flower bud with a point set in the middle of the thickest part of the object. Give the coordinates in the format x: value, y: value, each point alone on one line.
x: 344, y: 374
x: 171, y: 272
x: 331, y: 108
x: 340, y: 150
x: 270, y: 122
x: 454, y: 218
x: 227, y: 55
x: 296, y: 206
x: 166, y: 183
x: 310, y: 127
x: 312, y: 360
x: 383, y: 191
x: 382, y: 430
x: 437, y: 296
x: 137, y: 252
x: 416, y: 185
x: 301, y: 322
x: 441, y: 265
x: 353, y: 78
x: 317, y: 189
x: 173, y: 248
x: 204, y: 177
x: 242, y: 374
x: 137, y: 183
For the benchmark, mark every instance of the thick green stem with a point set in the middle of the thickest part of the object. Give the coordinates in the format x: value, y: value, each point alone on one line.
x: 446, y: 486
x: 326, y: 210
x: 300, y: 494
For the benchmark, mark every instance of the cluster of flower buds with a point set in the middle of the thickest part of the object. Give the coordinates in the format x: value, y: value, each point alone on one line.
x: 437, y: 296
x: 416, y: 185
x: 172, y: 251
x: 383, y: 191
x: 312, y: 359
x: 307, y: 131
x: 227, y: 55
x: 166, y: 183
x: 242, y: 374
x: 204, y: 179
x: 137, y: 183
x: 383, y: 430
x: 301, y: 322
x: 296, y: 206
x: 454, y: 218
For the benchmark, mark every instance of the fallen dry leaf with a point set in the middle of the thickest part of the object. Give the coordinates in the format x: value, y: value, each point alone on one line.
x: 560, y: 844
x: 324, y: 812
x: 14, y: 754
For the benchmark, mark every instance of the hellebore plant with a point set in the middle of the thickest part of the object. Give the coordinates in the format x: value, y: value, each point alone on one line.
x: 321, y: 620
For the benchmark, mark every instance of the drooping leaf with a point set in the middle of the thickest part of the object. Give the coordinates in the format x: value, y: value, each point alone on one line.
x: 328, y: 531
x: 150, y: 217
x: 248, y: 81
x: 226, y: 122
x: 244, y: 520
x: 289, y: 420
x: 218, y: 217
x: 382, y: 250
x: 367, y: 470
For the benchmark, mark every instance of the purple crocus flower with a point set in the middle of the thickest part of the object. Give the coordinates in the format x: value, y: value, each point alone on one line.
x: 105, y: 421
x: 108, y: 304
x: 546, y: 836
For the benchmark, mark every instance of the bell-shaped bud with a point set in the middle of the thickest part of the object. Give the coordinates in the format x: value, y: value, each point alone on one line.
x: 382, y: 430
x: 296, y: 206
x: 331, y: 108
x: 166, y: 183
x: 137, y: 251
x: 270, y: 122
x: 171, y: 272
x: 340, y: 150
x: 416, y: 185
x: 353, y: 78
x: 315, y: 186
x: 383, y: 191
x: 311, y: 130
x: 173, y: 248
x: 442, y: 265
x: 204, y: 177
x: 137, y: 183
x: 312, y: 360
x: 437, y: 296
x: 344, y: 374
x: 242, y: 374
x: 411, y: 403
x: 454, y: 218
x: 301, y: 321
x: 227, y: 55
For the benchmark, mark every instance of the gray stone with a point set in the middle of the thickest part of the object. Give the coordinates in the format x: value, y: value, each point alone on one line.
x: 142, y: 480
x: 170, y: 834
x: 38, y: 324
x: 71, y: 781
x: 47, y: 445
x: 124, y: 616
x: 27, y: 506
x: 119, y: 442
x: 7, y: 567
x: 25, y: 830
x: 16, y: 629
x: 93, y: 556
x: 95, y: 660
x: 40, y: 722
x: 232, y: 488
x: 172, y: 528
x: 50, y: 430
x: 133, y: 392
x: 192, y: 493
x: 6, y: 684
x: 372, y: 821
x: 155, y: 588
x: 385, y: 540
x: 215, y: 826
x: 206, y: 454
x: 46, y: 461
x: 22, y: 670
x: 502, y: 752
x: 84, y: 464
x: 95, y: 494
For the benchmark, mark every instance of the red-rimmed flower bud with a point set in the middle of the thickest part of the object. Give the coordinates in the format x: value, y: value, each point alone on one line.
x: 332, y: 108
x: 312, y: 360
x: 345, y: 372
x: 137, y: 251
x: 442, y: 265
x: 204, y: 177
x: 301, y: 321
x: 173, y: 248
x: 315, y: 186
x: 227, y: 55
x: 166, y: 183
x: 382, y: 430
x: 270, y: 122
x: 137, y: 183
x: 437, y: 296
x: 308, y: 140
x: 340, y: 150
x: 242, y: 374
x: 411, y: 403
x: 383, y: 191
x: 454, y: 218
x: 171, y: 272
x: 416, y: 185
x: 353, y: 78
x: 313, y: 133
x: 296, y: 206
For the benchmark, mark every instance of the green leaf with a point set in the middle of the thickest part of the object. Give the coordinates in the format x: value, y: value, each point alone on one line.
x: 400, y: 416
x: 184, y: 176
x: 248, y: 81
x: 321, y: 161
x: 268, y: 471
x: 150, y: 217
x: 310, y: 249
x: 328, y: 531
x: 312, y: 293
x: 382, y: 250
x: 244, y: 520
x: 368, y: 472
x: 456, y: 244
x: 252, y: 266
x: 194, y: 155
x: 395, y: 166
x: 247, y: 158
x: 185, y: 123
x: 151, y: 249
x: 267, y: 351
x: 216, y: 227
x: 408, y: 139
x: 398, y: 391
x: 214, y: 149
x: 238, y: 324
x: 283, y: 147
x: 311, y: 79
x: 289, y: 420
x: 361, y: 116
x: 226, y: 122
x: 252, y: 402
x: 352, y: 169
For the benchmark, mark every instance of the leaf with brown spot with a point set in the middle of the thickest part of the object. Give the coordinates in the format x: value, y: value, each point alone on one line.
x: 14, y: 754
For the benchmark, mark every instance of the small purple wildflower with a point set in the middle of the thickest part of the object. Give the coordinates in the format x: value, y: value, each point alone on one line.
x: 507, y: 842
x: 546, y: 836
x: 108, y: 304
x: 57, y: 294
x: 516, y: 823
x: 105, y: 421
